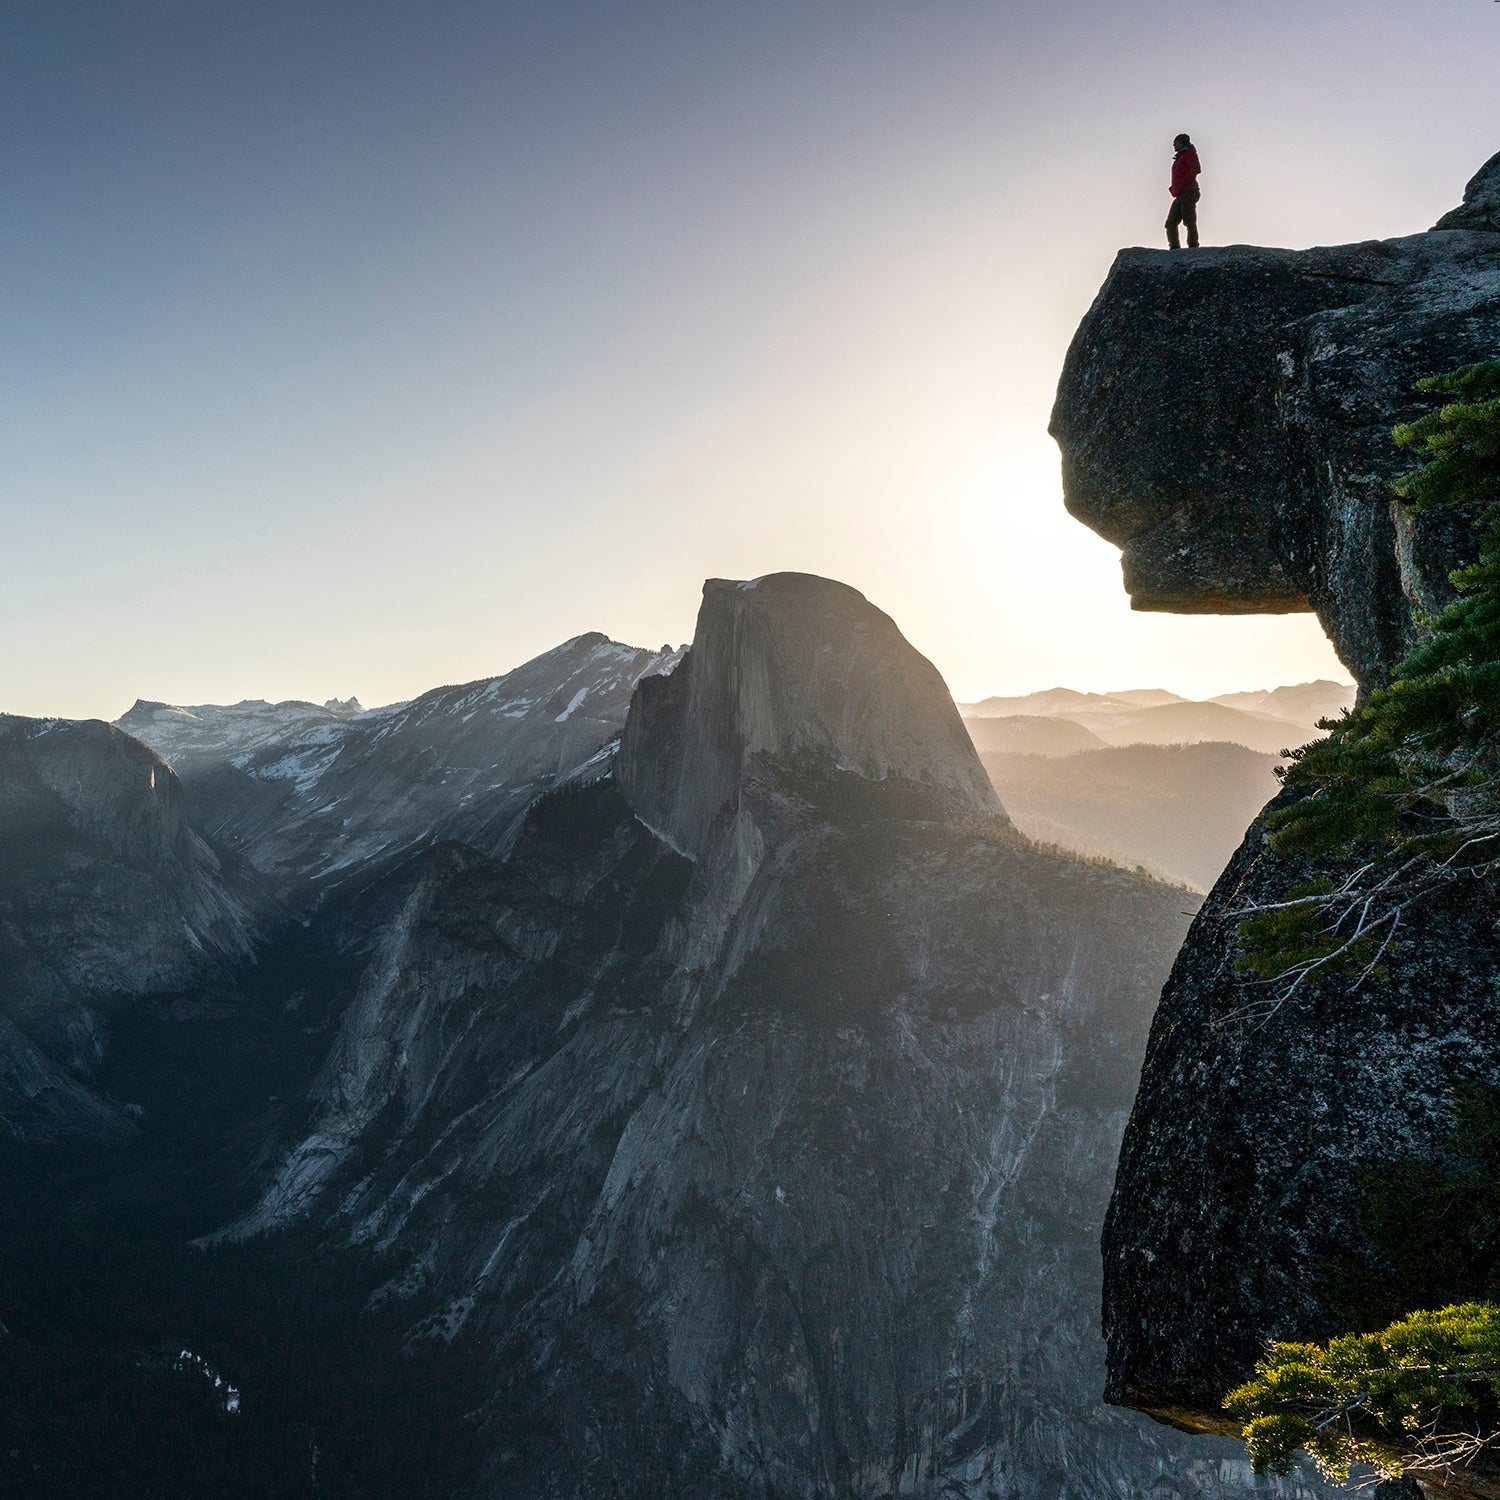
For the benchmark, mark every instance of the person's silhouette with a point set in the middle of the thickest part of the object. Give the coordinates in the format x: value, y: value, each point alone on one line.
x: 1185, y: 169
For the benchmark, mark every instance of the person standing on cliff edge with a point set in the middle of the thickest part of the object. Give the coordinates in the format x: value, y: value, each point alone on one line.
x: 1185, y: 169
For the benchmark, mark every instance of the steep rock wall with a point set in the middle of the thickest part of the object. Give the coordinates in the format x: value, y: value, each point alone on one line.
x: 752, y: 1120
x: 791, y: 666
x: 1225, y: 417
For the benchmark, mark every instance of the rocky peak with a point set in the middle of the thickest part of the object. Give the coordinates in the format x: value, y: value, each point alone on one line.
x: 684, y: 1150
x: 78, y: 797
x: 792, y: 668
x: 1481, y: 206
x: 96, y: 780
x: 185, y: 733
x: 1225, y: 418
x: 317, y: 796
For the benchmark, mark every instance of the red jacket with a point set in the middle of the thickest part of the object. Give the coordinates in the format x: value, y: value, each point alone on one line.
x: 1185, y: 170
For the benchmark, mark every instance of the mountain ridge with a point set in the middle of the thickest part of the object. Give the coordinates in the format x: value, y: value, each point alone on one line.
x: 313, y: 799
x: 748, y: 1066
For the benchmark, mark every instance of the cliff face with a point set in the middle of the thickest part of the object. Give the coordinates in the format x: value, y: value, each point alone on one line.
x: 106, y: 894
x: 752, y: 1120
x: 791, y: 668
x: 1225, y: 417
x: 1240, y: 1212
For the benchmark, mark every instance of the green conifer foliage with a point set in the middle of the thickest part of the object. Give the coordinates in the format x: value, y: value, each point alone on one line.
x: 1407, y: 785
x: 1412, y: 1397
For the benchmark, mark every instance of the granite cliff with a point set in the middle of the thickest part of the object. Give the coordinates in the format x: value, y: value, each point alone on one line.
x: 107, y: 895
x: 727, y: 1106
x: 1225, y: 417
x: 750, y: 1121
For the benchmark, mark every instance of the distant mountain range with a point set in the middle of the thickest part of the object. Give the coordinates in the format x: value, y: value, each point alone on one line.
x: 313, y: 797
x: 1303, y: 703
x: 1144, y: 777
x: 1031, y: 734
x: 1269, y: 720
x: 1179, y: 811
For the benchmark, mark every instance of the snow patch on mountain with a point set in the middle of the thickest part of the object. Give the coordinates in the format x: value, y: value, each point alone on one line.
x: 458, y: 762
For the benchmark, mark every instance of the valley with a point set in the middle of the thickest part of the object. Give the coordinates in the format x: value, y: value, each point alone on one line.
x: 687, y: 1056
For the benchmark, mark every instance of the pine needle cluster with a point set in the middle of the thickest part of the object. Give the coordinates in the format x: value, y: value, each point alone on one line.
x: 1417, y: 1396
x: 1406, y: 786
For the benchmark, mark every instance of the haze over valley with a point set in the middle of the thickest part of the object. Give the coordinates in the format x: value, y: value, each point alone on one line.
x: 664, y: 974
x: 1141, y: 776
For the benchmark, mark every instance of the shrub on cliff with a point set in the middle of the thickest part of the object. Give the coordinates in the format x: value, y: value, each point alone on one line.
x: 1420, y: 1394
x: 1417, y: 1396
x: 1407, y: 785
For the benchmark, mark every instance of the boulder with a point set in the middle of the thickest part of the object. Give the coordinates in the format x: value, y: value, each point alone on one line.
x: 1225, y: 418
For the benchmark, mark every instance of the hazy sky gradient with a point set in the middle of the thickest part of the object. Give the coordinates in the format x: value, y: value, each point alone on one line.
x: 361, y: 348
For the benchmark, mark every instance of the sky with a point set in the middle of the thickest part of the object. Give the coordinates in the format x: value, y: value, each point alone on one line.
x: 361, y: 348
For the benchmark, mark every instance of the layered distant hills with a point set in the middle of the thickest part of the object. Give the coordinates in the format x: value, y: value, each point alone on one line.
x: 1270, y: 720
x: 1144, y: 777
x: 1177, y: 810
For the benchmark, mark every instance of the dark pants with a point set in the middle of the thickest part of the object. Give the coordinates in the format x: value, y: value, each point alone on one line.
x: 1184, y: 211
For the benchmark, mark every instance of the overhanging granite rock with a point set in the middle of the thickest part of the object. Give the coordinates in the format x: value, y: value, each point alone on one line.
x: 1225, y: 418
